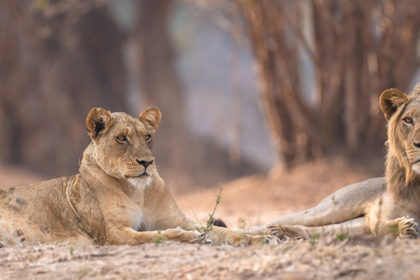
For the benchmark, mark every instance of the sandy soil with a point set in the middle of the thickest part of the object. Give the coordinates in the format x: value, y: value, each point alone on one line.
x: 246, y: 201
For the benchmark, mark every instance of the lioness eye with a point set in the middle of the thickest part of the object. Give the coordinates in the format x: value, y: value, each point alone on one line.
x: 148, y: 138
x: 408, y: 120
x: 121, y: 138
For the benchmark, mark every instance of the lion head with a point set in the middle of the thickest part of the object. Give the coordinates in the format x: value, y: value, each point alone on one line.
x: 403, y: 114
x: 121, y: 144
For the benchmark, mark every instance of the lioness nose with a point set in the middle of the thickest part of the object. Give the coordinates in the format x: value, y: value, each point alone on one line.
x: 144, y: 163
x: 417, y: 145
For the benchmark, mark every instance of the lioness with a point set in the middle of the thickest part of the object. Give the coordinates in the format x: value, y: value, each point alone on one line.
x: 379, y: 205
x: 117, y: 198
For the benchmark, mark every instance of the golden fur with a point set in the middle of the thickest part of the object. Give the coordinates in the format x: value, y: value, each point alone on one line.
x: 118, y: 196
x: 379, y: 205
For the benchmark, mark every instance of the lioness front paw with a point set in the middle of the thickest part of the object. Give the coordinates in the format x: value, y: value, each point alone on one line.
x: 181, y: 235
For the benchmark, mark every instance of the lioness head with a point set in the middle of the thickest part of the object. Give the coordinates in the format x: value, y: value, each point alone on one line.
x: 403, y: 114
x: 121, y: 144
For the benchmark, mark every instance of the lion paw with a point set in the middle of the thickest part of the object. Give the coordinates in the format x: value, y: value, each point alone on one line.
x: 403, y: 227
x: 408, y: 228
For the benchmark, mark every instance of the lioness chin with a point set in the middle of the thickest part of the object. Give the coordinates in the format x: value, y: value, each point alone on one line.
x: 117, y: 197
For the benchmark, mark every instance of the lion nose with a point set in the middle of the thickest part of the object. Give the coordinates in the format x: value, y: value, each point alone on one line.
x: 145, y: 163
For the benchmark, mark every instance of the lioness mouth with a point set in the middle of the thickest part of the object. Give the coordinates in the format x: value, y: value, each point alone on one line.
x: 142, y: 175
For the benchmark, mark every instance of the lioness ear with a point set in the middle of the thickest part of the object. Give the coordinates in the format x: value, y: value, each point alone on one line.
x: 97, y: 121
x: 390, y: 100
x: 151, y: 117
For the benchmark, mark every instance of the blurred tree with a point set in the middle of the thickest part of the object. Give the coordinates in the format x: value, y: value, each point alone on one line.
x: 55, y: 65
x: 159, y: 80
x: 358, y: 48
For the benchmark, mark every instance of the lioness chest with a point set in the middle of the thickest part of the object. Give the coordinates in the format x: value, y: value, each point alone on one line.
x: 126, y: 209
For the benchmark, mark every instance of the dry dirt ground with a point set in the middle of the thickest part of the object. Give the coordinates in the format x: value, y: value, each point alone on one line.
x: 246, y: 201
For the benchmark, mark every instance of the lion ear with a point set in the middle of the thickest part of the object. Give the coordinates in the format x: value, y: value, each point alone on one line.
x: 97, y: 121
x: 151, y: 117
x: 390, y: 100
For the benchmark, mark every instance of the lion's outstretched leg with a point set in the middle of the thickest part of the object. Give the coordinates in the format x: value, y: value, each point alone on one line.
x: 403, y: 227
x: 352, y: 227
x: 343, y: 205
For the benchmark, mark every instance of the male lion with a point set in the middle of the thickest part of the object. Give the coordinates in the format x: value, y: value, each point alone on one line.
x: 117, y: 198
x: 379, y: 205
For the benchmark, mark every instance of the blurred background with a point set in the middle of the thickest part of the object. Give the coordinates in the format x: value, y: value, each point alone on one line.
x: 286, y: 90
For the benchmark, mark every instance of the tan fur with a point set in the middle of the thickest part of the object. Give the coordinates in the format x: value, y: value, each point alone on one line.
x: 380, y: 205
x: 117, y: 198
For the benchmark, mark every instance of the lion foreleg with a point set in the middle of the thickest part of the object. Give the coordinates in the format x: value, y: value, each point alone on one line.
x: 352, y: 227
x: 345, y: 204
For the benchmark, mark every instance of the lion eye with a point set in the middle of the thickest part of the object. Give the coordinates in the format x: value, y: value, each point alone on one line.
x: 121, y: 138
x: 148, y: 138
x: 408, y: 120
